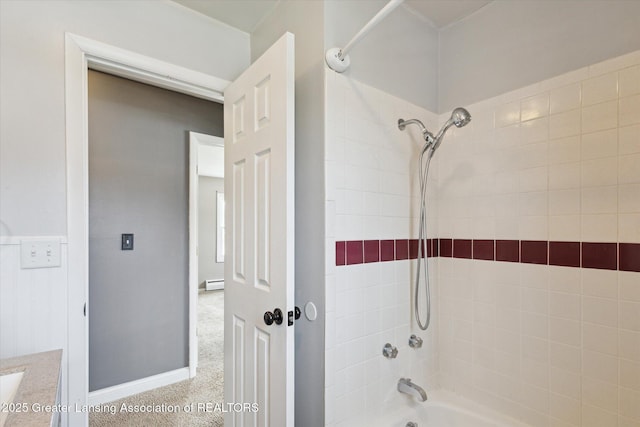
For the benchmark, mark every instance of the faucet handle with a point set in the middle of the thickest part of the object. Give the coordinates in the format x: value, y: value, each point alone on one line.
x: 415, y: 342
x: 389, y: 351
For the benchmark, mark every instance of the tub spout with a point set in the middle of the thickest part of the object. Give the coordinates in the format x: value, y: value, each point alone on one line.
x: 405, y: 385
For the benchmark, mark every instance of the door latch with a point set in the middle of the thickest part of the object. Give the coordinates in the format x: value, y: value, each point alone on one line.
x: 293, y: 314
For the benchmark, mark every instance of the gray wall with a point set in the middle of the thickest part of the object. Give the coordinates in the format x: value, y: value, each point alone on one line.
x: 305, y: 20
x: 138, y: 183
x: 208, y: 268
x: 510, y: 44
x: 399, y: 56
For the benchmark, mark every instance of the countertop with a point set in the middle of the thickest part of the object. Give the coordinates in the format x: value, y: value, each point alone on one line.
x: 38, y: 388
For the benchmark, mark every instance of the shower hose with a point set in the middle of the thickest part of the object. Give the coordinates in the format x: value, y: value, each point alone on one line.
x: 422, y: 266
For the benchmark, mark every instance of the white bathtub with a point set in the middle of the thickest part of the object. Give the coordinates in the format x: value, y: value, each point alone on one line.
x: 443, y: 409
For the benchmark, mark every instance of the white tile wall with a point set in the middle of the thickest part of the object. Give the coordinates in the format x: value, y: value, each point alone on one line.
x: 371, y: 194
x: 566, y: 167
x: 558, y: 160
x: 565, y: 98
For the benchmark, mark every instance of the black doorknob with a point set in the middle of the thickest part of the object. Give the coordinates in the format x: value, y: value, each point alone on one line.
x: 276, y: 316
x: 268, y: 317
x: 297, y: 312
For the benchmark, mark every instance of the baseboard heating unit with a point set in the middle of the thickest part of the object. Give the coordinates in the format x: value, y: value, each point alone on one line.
x: 213, y: 285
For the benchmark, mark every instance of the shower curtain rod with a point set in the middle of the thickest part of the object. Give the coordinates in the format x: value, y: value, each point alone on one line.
x: 337, y: 59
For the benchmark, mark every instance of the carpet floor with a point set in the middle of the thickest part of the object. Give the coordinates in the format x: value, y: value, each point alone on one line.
x: 206, y: 388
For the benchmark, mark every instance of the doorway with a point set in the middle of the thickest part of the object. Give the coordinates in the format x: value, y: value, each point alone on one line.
x: 206, y: 249
x: 82, y: 54
x: 138, y: 186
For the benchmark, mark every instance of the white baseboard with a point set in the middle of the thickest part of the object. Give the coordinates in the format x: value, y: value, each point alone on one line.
x: 120, y: 391
x: 213, y: 285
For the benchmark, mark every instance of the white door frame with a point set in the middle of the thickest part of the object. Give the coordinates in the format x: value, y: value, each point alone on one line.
x: 81, y: 54
x: 196, y: 140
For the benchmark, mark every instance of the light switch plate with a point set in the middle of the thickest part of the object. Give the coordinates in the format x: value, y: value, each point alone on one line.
x: 39, y: 253
x: 127, y: 242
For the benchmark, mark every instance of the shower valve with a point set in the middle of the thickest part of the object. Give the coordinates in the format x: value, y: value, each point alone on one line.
x: 415, y: 342
x: 389, y: 351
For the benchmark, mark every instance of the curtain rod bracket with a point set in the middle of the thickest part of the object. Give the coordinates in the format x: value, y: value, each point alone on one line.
x: 338, y: 59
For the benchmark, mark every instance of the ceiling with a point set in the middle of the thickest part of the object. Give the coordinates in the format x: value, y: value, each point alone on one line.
x: 245, y: 15
x: 442, y: 13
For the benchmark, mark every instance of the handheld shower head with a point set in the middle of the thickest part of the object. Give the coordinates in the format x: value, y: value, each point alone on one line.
x: 460, y: 117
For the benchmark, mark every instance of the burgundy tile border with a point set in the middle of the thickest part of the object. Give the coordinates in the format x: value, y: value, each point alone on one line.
x: 534, y: 251
x: 603, y: 255
x: 402, y: 249
x: 371, y: 251
x: 387, y: 250
x: 355, y: 252
x: 446, y: 248
x: 414, y: 249
x: 462, y: 248
x: 508, y: 250
x: 629, y: 256
x: 341, y: 253
x: 566, y: 254
x: 484, y: 249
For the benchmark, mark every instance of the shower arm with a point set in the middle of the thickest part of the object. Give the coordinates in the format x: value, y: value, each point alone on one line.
x: 337, y: 58
x: 431, y: 141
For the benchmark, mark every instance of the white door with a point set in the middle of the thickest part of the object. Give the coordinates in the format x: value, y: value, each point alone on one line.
x: 259, y: 266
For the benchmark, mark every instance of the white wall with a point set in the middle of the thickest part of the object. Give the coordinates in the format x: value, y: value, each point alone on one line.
x: 32, y: 144
x: 211, y: 161
x: 399, y: 56
x: 32, y: 133
x: 510, y: 44
x: 33, y: 306
x: 208, y: 267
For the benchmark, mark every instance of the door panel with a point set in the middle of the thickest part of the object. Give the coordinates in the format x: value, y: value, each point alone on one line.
x: 259, y: 153
x: 238, y: 222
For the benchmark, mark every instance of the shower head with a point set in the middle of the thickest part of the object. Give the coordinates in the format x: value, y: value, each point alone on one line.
x: 459, y: 117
